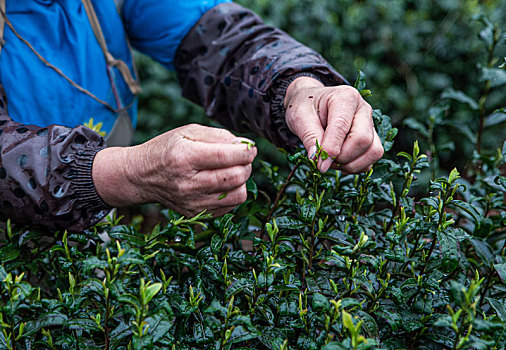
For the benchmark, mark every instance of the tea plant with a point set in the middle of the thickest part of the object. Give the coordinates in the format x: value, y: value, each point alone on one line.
x: 344, y: 262
x: 401, y: 257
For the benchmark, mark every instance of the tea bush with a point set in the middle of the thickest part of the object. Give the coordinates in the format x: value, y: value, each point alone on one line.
x: 398, y: 258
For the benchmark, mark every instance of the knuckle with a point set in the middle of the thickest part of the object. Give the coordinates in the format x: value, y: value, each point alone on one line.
x: 242, y: 195
x: 342, y: 125
x: 226, y: 133
x: 221, y: 156
x: 192, y: 126
x: 378, y: 152
x: 351, y: 169
x: 248, y: 170
x: 364, y: 140
x: 368, y: 108
x: 236, y: 177
x: 184, y: 188
x: 350, y: 93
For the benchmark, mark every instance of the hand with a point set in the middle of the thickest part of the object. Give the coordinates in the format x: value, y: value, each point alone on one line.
x: 187, y: 169
x: 341, y: 121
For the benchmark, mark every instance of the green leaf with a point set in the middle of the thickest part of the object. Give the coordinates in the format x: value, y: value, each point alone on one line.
x: 365, y: 93
x: 454, y: 175
x: 239, y: 334
x: 307, y: 212
x: 368, y: 324
x: 151, y: 291
x: 360, y: 82
x: 501, y: 271
x: 498, y: 307
x: 82, y: 324
x: 334, y: 346
x: 320, y: 302
x: 483, y: 250
x: 405, y: 155
x: 469, y: 209
x: 9, y: 252
x: 496, y: 76
x: 241, y: 285
x: 348, y: 322
x: 414, y: 124
x: 284, y: 222
x: 464, y: 129
x: 251, y: 186
x: 129, y: 298
x: 495, y: 118
x: 46, y: 320
x: 460, y: 97
x: 487, y: 33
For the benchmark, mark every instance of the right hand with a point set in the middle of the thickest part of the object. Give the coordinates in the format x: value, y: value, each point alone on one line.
x: 187, y: 169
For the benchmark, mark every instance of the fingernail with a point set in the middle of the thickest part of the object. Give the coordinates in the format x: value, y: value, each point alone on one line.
x: 325, y: 165
x: 312, y: 152
x: 239, y: 140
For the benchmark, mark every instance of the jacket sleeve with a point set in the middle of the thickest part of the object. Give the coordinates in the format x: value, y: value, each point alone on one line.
x: 45, y: 174
x: 238, y: 69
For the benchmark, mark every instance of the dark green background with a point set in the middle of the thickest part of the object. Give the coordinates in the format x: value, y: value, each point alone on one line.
x: 411, y: 51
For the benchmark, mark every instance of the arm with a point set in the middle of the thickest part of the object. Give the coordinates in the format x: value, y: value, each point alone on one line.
x: 252, y: 77
x: 238, y: 69
x: 45, y: 174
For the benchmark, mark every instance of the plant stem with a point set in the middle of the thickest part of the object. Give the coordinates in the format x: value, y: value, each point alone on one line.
x: 483, y: 101
x: 484, y: 96
x: 279, y: 194
x: 434, y: 240
x: 311, y: 249
x: 487, y: 286
x: 106, y: 322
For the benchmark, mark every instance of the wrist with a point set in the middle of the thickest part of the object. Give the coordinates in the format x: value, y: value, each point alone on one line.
x: 301, y: 83
x: 110, y: 174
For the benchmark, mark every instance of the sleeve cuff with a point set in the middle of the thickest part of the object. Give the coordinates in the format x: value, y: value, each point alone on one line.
x: 87, y: 198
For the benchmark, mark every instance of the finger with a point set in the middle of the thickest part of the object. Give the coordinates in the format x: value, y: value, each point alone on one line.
x: 213, y: 201
x: 340, y: 167
x: 230, y: 198
x: 219, y: 180
x: 202, y: 133
x: 340, y: 111
x: 217, y: 212
x: 304, y: 122
x: 218, y: 155
x: 372, y: 155
x: 360, y: 137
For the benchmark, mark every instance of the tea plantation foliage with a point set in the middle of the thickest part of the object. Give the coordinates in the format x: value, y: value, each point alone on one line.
x: 411, y: 255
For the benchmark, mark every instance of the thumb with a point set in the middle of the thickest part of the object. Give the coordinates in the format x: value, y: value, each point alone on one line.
x: 305, y: 123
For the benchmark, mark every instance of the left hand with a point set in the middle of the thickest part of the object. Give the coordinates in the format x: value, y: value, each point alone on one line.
x: 341, y: 121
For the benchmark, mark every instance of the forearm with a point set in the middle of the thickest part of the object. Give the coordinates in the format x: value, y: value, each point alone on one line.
x: 114, y: 179
x: 45, y: 176
x: 238, y: 68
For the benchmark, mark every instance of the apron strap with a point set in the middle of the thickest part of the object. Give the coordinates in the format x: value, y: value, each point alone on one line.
x: 2, y: 24
x: 119, y: 64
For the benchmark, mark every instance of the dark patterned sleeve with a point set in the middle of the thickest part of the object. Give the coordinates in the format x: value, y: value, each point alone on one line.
x: 45, y: 174
x: 238, y: 69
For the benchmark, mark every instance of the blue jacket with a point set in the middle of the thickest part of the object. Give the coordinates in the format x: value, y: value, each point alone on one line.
x: 231, y: 63
x: 60, y: 31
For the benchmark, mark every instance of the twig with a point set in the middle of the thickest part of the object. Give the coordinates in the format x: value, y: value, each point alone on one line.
x: 278, y: 196
x: 487, y: 285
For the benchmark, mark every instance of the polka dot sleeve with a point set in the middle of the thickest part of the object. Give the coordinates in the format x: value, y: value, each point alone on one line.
x: 45, y: 174
x: 238, y: 69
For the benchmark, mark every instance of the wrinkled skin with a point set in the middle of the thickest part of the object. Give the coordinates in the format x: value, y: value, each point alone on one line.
x: 341, y: 121
x: 188, y: 169
x: 191, y: 168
